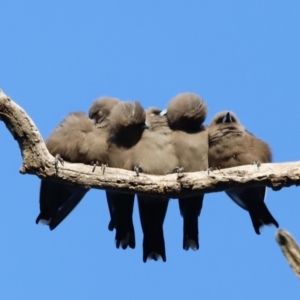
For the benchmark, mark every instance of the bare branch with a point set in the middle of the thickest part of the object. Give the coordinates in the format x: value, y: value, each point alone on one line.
x: 290, y: 249
x: 23, y: 129
x: 37, y: 160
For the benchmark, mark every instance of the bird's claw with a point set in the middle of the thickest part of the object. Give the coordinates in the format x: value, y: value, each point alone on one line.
x: 103, y: 168
x: 94, y: 164
x: 257, y: 163
x: 211, y: 169
x: 137, y: 170
x: 178, y: 170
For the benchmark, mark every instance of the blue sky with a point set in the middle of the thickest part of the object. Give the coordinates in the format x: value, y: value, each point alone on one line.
x: 58, y: 57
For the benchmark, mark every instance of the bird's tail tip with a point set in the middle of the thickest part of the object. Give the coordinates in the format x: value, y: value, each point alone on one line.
x: 190, y: 234
x: 154, y: 247
x: 125, y: 240
x: 192, y: 244
x: 156, y: 256
x: 42, y: 220
x: 261, y: 217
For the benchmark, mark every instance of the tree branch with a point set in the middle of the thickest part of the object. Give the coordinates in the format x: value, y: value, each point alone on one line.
x: 38, y: 161
x: 290, y: 249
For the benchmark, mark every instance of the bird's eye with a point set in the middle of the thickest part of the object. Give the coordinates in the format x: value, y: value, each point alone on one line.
x: 219, y: 120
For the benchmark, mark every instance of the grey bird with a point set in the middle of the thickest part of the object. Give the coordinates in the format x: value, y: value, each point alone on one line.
x: 153, y: 154
x: 186, y: 113
x: 127, y: 123
x: 99, y: 112
x: 231, y: 145
x: 76, y: 139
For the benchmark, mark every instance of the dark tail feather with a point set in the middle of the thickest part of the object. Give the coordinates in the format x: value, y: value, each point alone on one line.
x: 152, y: 214
x: 111, y: 225
x: 67, y: 207
x: 190, y: 209
x: 154, y: 245
x: 121, y: 209
x: 260, y: 215
x: 190, y: 234
x: 53, y: 196
x: 112, y: 222
x: 125, y: 236
x: 44, y: 217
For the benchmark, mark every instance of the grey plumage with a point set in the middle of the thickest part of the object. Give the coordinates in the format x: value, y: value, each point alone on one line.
x: 186, y: 113
x: 231, y: 145
x: 127, y: 123
x: 99, y: 112
x: 76, y: 139
x: 154, y: 154
x: 101, y: 109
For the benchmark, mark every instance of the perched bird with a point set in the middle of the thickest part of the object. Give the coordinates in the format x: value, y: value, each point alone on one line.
x: 99, y: 112
x: 186, y: 114
x: 231, y: 145
x: 76, y: 139
x: 153, y: 154
x: 127, y: 123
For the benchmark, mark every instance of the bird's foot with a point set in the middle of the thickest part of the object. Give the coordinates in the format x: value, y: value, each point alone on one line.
x: 179, y: 171
x: 103, y: 168
x: 137, y: 170
x: 211, y: 169
x: 257, y: 163
x: 94, y: 164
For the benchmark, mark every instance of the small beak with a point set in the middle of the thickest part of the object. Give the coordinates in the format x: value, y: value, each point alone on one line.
x: 163, y: 112
x: 227, y: 118
x: 145, y: 126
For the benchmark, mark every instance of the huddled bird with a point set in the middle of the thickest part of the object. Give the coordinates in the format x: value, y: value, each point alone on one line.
x: 127, y: 123
x: 76, y: 139
x: 186, y: 113
x: 231, y: 145
x: 153, y: 154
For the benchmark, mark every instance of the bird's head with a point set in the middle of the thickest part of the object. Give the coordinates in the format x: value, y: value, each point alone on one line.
x: 101, y: 108
x: 186, y: 111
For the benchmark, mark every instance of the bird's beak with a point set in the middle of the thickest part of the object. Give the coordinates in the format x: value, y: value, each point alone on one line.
x: 227, y: 118
x: 145, y: 126
x: 163, y: 112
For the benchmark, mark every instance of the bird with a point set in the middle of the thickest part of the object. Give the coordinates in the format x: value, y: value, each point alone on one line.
x: 76, y: 139
x: 153, y: 154
x: 99, y: 112
x: 231, y: 145
x: 127, y: 122
x: 186, y: 113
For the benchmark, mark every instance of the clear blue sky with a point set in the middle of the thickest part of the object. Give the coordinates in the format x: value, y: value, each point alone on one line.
x: 58, y: 57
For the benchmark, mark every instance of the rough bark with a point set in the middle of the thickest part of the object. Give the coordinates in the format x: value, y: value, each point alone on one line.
x: 290, y: 249
x: 38, y: 161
